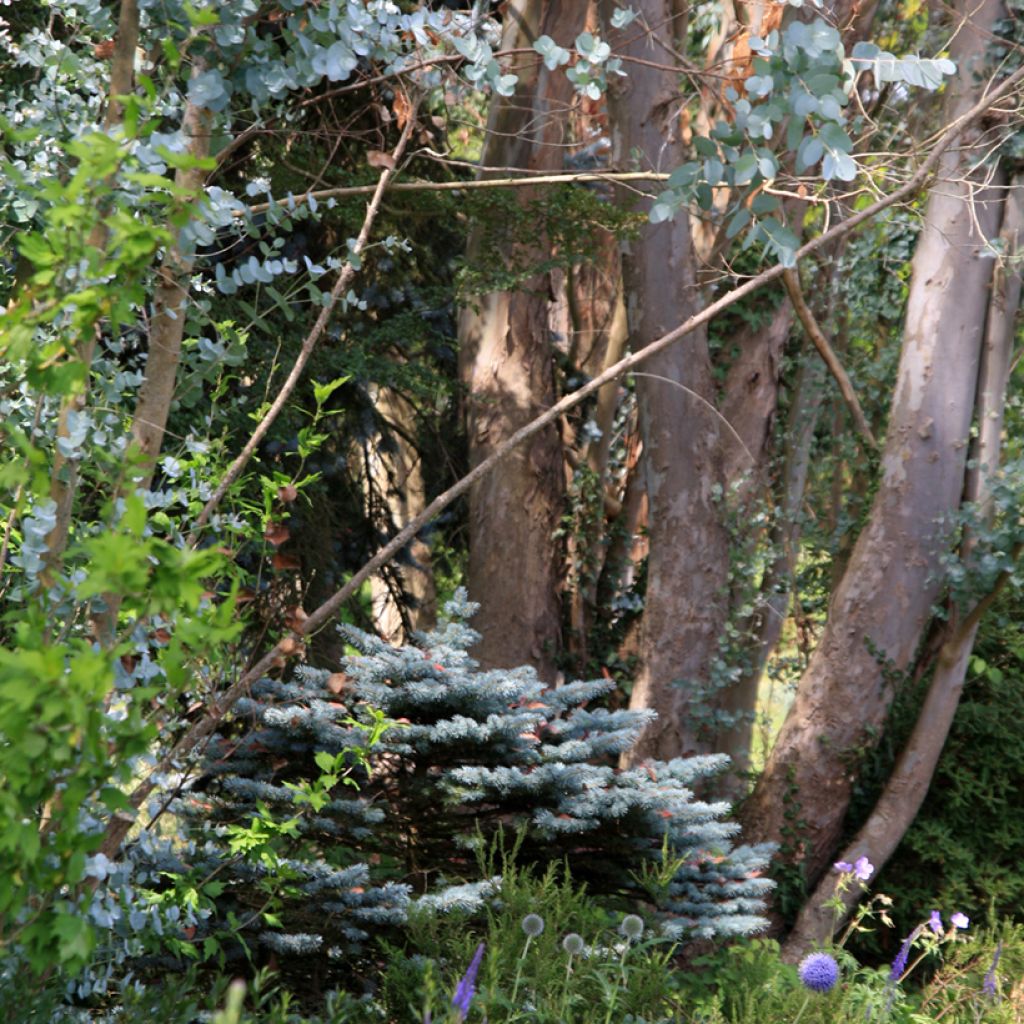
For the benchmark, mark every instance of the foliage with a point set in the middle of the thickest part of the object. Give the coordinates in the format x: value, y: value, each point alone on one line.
x: 945, y: 857
x: 459, y: 757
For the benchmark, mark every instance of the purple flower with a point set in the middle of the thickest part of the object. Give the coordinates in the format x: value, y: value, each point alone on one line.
x: 935, y: 923
x: 863, y: 868
x: 959, y: 920
x: 899, y: 965
x: 843, y: 866
x: 988, y: 986
x: 467, y: 986
x: 819, y: 972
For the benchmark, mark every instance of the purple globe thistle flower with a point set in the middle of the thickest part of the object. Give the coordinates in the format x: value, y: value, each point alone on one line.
x: 819, y: 972
x: 467, y: 986
x: 935, y: 923
x: 959, y: 920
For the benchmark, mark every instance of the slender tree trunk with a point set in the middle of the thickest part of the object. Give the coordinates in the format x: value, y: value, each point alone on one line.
x: 908, y: 785
x: 506, y: 368
x: 884, y: 600
x: 167, y: 327
x: 64, y: 476
x: 397, y: 474
x: 686, y: 598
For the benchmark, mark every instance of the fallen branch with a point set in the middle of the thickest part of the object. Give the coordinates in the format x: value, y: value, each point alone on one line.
x: 791, y: 279
x: 291, y: 645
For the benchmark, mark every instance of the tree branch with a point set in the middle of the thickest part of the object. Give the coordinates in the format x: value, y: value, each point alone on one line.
x: 121, y: 823
x: 791, y: 279
x: 526, y: 181
x: 311, y: 339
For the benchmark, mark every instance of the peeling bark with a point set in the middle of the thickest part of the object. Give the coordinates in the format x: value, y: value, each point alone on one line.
x: 686, y: 598
x: 908, y: 785
x: 64, y: 475
x: 167, y: 327
x: 505, y: 362
x: 884, y: 600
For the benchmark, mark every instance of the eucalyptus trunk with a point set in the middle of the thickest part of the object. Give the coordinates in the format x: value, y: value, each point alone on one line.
x: 894, y: 577
x: 911, y: 777
x: 686, y: 600
x: 506, y: 366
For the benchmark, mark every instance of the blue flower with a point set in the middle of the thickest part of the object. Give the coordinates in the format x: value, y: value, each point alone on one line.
x: 819, y: 972
x: 899, y: 965
x: 843, y: 866
x: 935, y: 923
x: 467, y: 986
x: 960, y: 920
x: 863, y: 868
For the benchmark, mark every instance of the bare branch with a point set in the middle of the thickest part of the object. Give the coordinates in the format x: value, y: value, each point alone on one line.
x: 525, y: 181
x: 791, y: 279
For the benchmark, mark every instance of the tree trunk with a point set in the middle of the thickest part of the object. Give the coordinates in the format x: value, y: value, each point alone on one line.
x: 64, y: 474
x: 396, y: 472
x: 908, y: 785
x: 506, y: 367
x: 894, y: 576
x: 686, y: 598
x: 167, y: 327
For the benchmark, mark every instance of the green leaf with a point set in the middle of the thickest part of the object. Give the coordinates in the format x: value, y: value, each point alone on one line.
x: 744, y: 169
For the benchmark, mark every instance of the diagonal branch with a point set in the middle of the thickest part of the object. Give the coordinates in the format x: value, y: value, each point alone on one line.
x: 310, y: 342
x: 791, y: 279
x: 121, y: 823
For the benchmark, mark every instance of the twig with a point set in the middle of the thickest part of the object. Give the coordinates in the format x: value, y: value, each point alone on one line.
x: 311, y: 339
x: 121, y: 823
x: 791, y: 279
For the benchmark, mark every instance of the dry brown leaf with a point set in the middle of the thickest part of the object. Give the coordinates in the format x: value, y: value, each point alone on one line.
x: 294, y: 617
x: 288, y: 493
x: 104, y: 50
x: 337, y: 681
x: 291, y: 645
x: 403, y: 110
x: 375, y: 158
x: 276, y: 533
x: 281, y: 561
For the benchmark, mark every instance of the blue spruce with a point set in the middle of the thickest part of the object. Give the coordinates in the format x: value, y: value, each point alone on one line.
x: 470, y: 753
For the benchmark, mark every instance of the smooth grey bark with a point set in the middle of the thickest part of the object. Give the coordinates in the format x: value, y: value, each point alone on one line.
x: 686, y: 599
x: 170, y: 299
x: 911, y: 777
x: 505, y: 362
x: 884, y: 599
